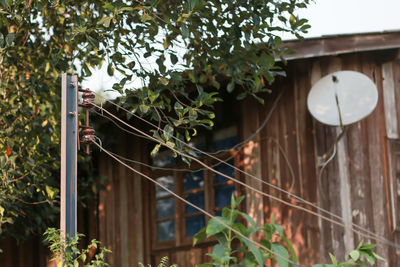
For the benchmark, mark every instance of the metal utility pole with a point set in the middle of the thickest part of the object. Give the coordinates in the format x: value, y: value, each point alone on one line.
x: 69, y: 146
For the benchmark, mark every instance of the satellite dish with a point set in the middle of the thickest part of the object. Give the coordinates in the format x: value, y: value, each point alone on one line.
x: 351, y: 94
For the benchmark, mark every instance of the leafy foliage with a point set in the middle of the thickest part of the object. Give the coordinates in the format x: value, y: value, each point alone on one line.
x: 67, y: 253
x: 280, y: 249
x: 361, y: 256
x: 225, y: 253
x: 193, y: 44
x: 163, y: 263
x: 196, y: 46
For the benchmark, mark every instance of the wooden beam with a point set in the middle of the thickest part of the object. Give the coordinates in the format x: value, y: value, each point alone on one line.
x: 342, y: 44
x: 389, y: 101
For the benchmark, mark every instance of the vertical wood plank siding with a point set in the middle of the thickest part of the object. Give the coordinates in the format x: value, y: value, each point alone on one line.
x: 360, y: 183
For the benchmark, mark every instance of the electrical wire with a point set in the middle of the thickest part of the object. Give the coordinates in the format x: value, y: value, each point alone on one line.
x: 201, y: 169
x: 263, y: 124
x: 238, y: 147
x: 116, y: 124
x: 369, y: 235
x: 196, y: 207
x: 150, y: 166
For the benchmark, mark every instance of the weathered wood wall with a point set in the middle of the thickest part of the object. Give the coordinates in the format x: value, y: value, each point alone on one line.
x: 30, y: 253
x: 121, y: 206
x: 34, y: 253
x: 361, y: 184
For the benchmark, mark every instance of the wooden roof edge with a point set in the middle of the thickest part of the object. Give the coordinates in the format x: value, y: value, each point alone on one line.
x: 342, y: 44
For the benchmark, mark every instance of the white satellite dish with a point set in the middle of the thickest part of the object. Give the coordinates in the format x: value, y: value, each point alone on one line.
x: 350, y: 93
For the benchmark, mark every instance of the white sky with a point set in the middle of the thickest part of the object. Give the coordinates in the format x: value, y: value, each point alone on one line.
x: 352, y: 16
x: 326, y: 17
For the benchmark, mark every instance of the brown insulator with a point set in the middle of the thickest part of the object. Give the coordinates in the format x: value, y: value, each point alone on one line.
x: 88, y: 135
x: 87, y: 98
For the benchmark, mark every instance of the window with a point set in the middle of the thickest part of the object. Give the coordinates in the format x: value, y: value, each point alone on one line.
x: 175, y: 221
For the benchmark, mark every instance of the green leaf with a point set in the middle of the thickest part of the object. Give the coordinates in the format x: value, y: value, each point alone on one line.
x: 187, y: 136
x: 192, y: 114
x: 355, y: 255
x: 199, y: 236
x: 152, y: 96
x: 105, y: 21
x: 214, y: 226
x: 255, y: 251
x: 164, y: 81
x: 51, y: 192
x: 146, y: 17
x: 184, y: 31
x: 218, y: 251
x: 170, y: 144
x: 126, y: 8
x: 174, y: 58
x: 10, y: 38
x: 144, y: 108
x: 2, y: 211
x: 377, y: 256
x: 155, y: 150
x: 230, y: 87
x: 155, y: 3
x: 108, y: 6
x: 291, y: 248
x: 168, y: 131
x: 283, y: 257
x: 110, y: 70
x: 333, y: 259
x: 235, y: 202
x: 248, y: 219
x: 366, y: 246
x: 241, y: 96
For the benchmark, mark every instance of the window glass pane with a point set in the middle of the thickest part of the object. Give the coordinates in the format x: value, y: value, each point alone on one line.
x: 223, y: 195
x: 168, y: 182
x: 193, y: 180
x: 226, y: 143
x: 225, y: 169
x: 225, y: 138
x: 196, y: 199
x: 194, y: 224
x: 165, y: 208
x: 166, y: 230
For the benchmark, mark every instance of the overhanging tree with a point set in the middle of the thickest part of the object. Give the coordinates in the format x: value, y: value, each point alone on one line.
x: 196, y: 42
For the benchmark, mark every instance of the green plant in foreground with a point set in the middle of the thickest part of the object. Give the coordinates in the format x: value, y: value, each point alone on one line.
x: 67, y: 253
x: 225, y: 252
x: 358, y: 257
x: 163, y: 263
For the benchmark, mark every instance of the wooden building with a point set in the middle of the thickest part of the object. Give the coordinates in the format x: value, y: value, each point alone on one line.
x: 361, y: 183
x: 141, y: 223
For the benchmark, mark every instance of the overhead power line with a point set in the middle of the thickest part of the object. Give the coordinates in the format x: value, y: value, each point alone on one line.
x: 298, y: 198
x: 369, y: 234
x: 196, y: 207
